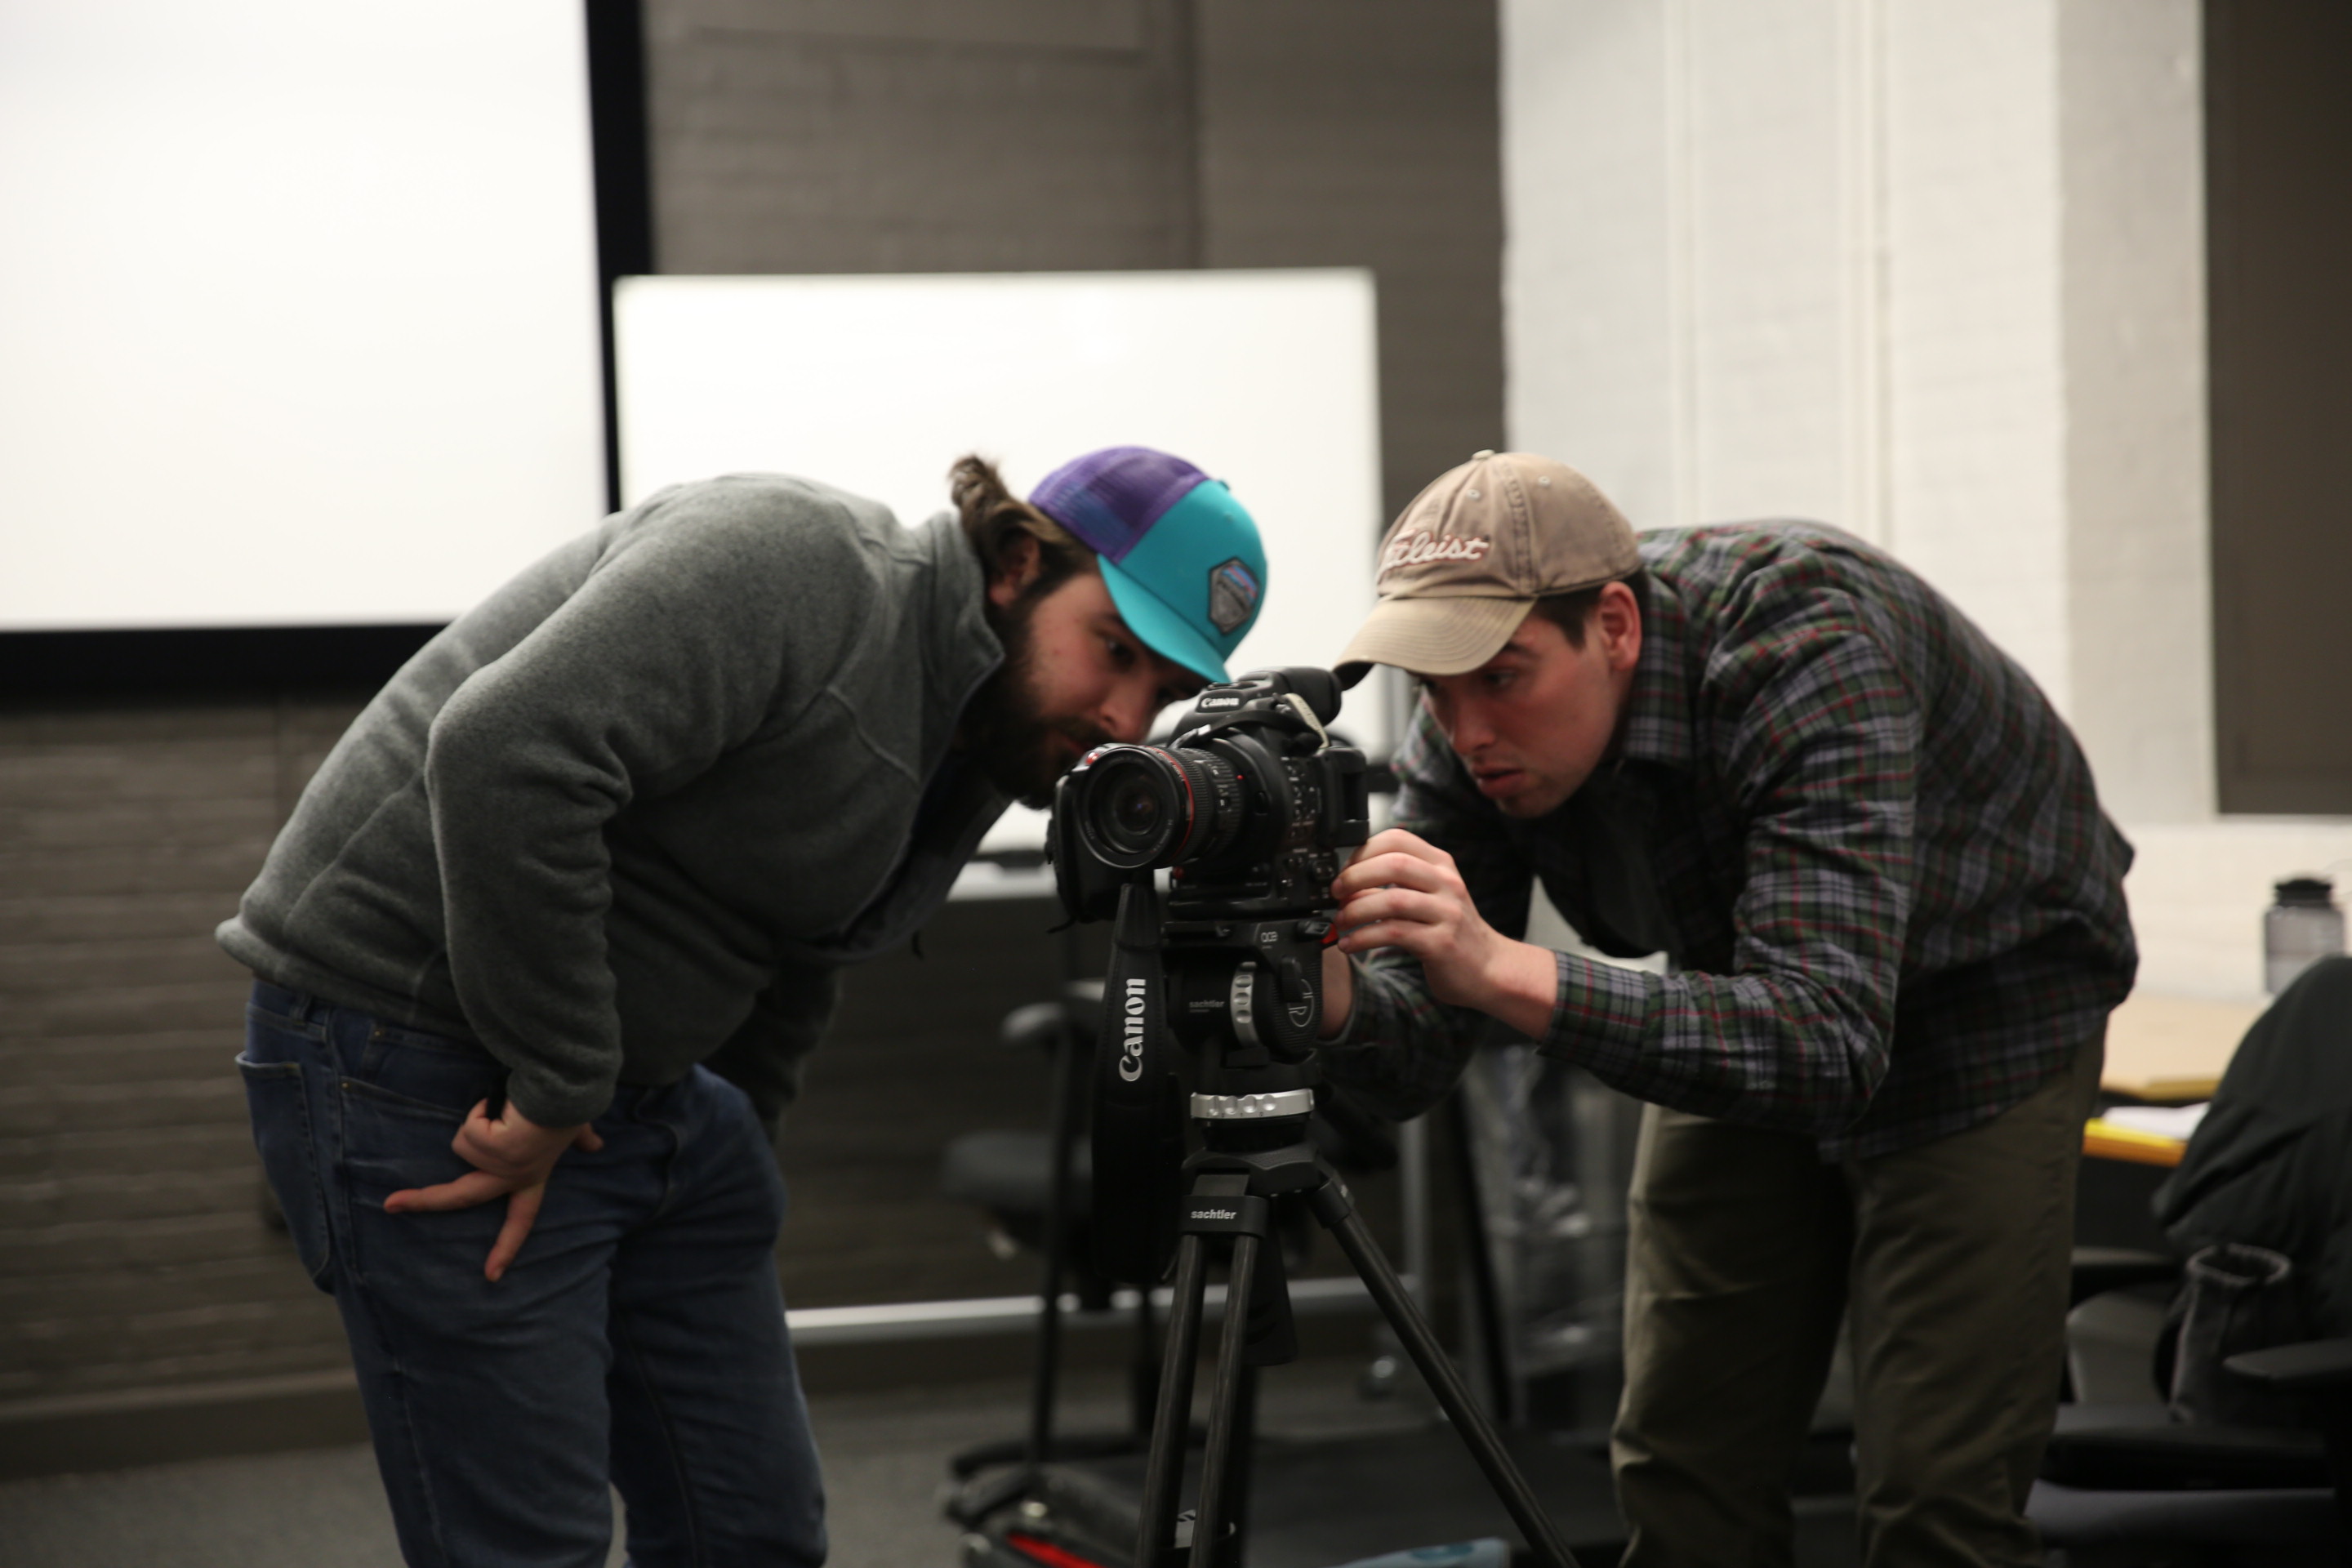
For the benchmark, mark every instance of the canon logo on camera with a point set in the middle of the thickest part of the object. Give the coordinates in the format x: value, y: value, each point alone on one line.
x: 1131, y: 1050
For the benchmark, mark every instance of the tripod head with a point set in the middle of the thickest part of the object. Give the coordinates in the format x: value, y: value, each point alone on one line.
x: 1248, y: 809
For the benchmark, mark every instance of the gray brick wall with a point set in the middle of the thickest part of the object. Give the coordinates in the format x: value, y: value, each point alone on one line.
x: 793, y: 137
x: 132, y: 1252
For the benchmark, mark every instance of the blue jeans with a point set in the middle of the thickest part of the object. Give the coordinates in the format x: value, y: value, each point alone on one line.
x: 638, y: 1339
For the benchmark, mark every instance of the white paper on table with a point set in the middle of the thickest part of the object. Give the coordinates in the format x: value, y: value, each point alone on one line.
x: 2164, y: 1121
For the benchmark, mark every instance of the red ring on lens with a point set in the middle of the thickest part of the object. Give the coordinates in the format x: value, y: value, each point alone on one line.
x: 1191, y: 816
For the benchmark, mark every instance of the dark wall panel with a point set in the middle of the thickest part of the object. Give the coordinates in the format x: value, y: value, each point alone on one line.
x: 812, y: 138
x: 1366, y: 134
x: 2279, y: 161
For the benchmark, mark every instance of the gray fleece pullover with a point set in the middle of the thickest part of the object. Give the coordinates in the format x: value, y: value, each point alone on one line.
x: 631, y: 811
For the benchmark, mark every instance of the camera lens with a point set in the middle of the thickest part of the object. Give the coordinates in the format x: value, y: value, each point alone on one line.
x: 1142, y: 806
x: 1131, y: 807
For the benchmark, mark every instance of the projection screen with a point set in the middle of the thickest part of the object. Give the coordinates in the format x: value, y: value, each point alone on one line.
x: 298, y: 313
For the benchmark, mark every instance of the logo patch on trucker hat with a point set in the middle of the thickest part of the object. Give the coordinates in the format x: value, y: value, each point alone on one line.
x: 1233, y: 596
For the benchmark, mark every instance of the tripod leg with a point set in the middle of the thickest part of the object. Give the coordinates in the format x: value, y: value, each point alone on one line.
x: 1225, y: 1404
x: 1143, y: 1371
x: 1244, y: 1459
x: 1171, y: 1423
x: 1331, y: 1207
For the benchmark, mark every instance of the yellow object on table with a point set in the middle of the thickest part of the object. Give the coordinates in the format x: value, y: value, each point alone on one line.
x: 2103, y: 1139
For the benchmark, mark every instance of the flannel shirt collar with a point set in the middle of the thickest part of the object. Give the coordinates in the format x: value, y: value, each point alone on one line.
x: 1657, y: 723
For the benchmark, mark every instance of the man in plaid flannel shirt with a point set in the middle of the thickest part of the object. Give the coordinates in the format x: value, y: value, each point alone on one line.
x: 1895, y: 922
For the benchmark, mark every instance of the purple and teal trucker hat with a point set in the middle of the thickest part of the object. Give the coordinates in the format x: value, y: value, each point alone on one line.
x: 1180, y: 555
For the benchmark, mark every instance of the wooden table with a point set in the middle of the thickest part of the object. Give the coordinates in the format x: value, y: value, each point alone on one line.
x: 2171, y: 1050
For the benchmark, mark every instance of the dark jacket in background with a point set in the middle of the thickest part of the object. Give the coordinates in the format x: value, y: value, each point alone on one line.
x: 2271, y: 1164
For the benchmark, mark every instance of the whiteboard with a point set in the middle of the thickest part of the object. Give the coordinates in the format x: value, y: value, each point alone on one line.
x: 1268, y: 380
x: 297, y: 310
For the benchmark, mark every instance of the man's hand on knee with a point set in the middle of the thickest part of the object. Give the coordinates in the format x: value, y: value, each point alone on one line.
x: 512, y: 1158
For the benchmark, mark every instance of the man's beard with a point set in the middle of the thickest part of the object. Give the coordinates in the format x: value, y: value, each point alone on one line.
x: 1017, y: 748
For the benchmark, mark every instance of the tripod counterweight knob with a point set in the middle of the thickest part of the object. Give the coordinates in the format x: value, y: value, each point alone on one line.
x: 1274, y: 1004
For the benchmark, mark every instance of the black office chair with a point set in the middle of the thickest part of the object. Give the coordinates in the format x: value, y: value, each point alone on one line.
x: 2177, y: 1479
x: 2129, y: 1484
x: 1037, y: 1190
x: 1011, y: 1175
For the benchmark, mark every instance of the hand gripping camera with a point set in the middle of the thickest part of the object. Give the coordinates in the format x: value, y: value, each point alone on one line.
x: 1250, y: 809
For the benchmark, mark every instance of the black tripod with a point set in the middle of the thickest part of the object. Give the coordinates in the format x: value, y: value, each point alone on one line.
x: 1252, y: 1124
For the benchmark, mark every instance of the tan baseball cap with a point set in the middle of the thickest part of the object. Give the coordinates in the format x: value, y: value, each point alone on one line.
x: 1467, y: 559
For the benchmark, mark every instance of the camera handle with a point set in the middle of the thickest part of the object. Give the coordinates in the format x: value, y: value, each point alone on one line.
x: 1254, y: 1153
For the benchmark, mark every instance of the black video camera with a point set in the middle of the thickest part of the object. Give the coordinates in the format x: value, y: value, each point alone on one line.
x: 1248, y: 806
x: 1250, y: 809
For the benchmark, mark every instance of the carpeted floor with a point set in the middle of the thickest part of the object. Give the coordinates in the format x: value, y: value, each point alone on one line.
x: 886, y: 1457
x: 886, y: 1471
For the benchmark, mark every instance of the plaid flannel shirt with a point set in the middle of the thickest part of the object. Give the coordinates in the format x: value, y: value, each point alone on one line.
x: 1893, y: 903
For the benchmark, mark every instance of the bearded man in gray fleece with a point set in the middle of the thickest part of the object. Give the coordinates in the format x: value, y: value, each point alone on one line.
x: 547, y: 936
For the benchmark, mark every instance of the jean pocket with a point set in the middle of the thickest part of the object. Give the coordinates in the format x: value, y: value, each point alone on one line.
x: 406, y: 1039
x: 260, y: 1014
x: 394, y: 1141
x: 277, y: 1099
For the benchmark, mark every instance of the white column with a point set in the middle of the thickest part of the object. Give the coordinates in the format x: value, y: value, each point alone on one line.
x: 2138, y: 575
x: 1591, y: 378
x: 1932, y: 272
x: 1975, y: 379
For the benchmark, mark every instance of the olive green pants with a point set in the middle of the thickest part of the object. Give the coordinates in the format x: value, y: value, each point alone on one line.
x: 1951, y: 1259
